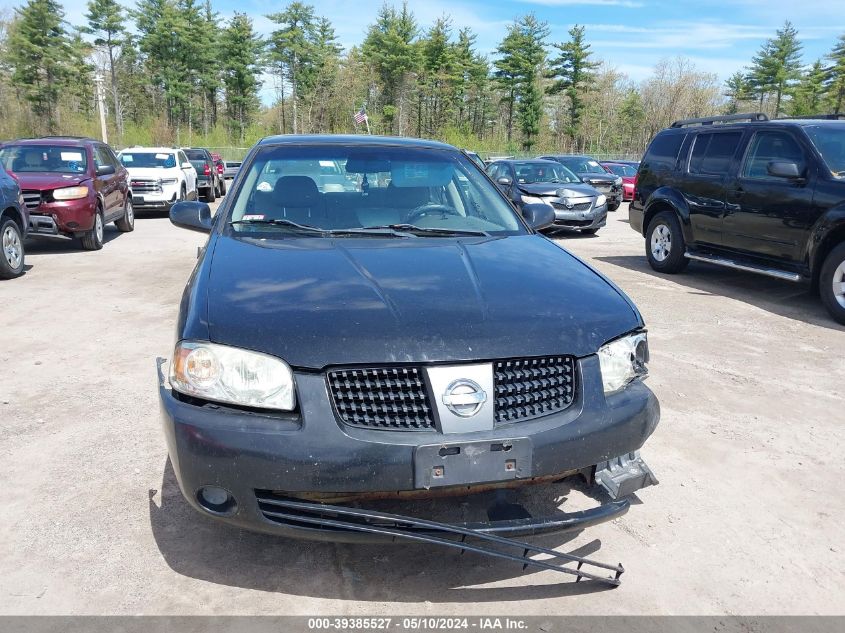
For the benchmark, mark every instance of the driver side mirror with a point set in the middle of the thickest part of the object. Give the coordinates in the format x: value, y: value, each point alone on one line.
x: 784, y: 169
x: 186, y: 165
x: 191, y: 215
x: 538, y: 216
x: 504, y: 181
x: 105, y: 170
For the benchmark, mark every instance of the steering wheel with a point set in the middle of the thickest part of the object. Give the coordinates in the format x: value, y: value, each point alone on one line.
x: 430, y: 208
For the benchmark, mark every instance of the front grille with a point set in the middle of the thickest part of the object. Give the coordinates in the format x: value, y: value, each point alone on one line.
x: 383, y: 398
x: 531, y: 387
x: 32, y: 199
x: 580, y: 206
x: 145, y: 186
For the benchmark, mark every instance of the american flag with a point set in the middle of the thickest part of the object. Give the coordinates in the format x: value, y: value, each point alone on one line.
x: 360, y: 116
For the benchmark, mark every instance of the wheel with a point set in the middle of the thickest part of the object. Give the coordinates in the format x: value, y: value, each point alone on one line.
x: 589, y: 231
x: 613, y: 206
x: 209, y: 194
x: 127, y: 222
x: 664, y: 244
x: 222, y: 187
x: 832, y: 283
x: 93, y: 239
x: 11, y: 262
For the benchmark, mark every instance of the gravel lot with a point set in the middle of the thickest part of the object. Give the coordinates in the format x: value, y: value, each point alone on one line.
x: 747, y: 519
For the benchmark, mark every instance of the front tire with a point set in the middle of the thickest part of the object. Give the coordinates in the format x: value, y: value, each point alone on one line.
x: 11, y: 250
x: 664, y: 244
x: 832, y: 283
x: 127, y: 222
x: 589, y: 231
x: 93, y: 239
x: 614, y: 206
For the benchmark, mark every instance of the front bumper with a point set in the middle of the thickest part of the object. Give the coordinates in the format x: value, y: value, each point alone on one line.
x: 594, y: 218
x: 302, y: 456
x: 66, y: 217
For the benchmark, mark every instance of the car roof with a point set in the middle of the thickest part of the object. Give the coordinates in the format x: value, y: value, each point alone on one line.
x: 353, y: 139
x: 80, y: 141
x: 785, y: 122
x: 149, y: 150
x: 527, y: 160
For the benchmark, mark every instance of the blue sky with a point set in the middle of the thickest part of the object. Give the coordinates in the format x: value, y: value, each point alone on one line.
x: 631, y: 35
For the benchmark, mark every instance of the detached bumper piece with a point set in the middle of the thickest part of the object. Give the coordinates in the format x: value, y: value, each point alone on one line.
x: 396, y: 526
x: 624, y: 475
x: 42, y: 225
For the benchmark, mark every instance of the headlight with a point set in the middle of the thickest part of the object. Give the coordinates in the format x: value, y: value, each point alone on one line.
x: 232, y: 375
x: 601, y: 200
x: 532, y: 200
x: 618, y: 180
x: 623, y: 360
x: 70, y: 193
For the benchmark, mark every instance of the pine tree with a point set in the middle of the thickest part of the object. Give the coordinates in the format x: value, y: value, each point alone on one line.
x: 574, y: 75
x: 241, y: 49
x: 40, y: 55
x: 106, y: 23
x: 808, y: 96
x: 737, y: 90
x: 777, y: 67
x: 836, y: 75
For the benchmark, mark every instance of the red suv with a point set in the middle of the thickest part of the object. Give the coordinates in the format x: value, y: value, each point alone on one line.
x: 71, y: 186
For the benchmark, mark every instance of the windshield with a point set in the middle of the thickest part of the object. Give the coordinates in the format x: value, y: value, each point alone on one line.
x: 528, y: 173
x: 830, y: 141
x: 196, y: 155
x: 622, y: 170
x: 58, y: 159
x: 581, y: 165
x: 342, y: 188
x: 148, y: 159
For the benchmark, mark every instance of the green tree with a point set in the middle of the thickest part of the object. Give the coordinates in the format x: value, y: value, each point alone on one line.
x: 809, y: 95
x: 241, y: 49
x: 106, y: 23
x: 519, y: 68
x: 737, y: 90
x: 777, y: 66
x: 40, y: 55
x: 836, y: 75
x: 574, y: 75
x: 389, y: 49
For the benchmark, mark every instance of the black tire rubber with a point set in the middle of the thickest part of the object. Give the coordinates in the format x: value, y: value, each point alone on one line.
x: 831, y: 263
x: 209, y: 195
x: 222, y: 187
x: 589, y: 231
x: 675, y: 262
x: 613, y: 207
x: 90, y: 240
x: 126, y: 224
x: 6, y: 269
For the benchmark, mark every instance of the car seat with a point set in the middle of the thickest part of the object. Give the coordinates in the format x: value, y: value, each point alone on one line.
x: 297, y: 198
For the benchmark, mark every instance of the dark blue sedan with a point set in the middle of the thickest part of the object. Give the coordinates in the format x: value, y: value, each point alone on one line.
x: 14, y: 225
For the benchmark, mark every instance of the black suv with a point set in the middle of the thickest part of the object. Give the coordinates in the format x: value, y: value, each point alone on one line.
x: 743, y: 191
x: 209, y: 181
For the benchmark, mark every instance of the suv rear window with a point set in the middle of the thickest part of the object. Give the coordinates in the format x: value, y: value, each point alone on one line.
x: 663, y: 151
x: 712, y: 153
x: 195, y: 154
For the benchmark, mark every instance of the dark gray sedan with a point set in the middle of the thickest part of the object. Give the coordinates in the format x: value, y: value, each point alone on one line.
x: 577, y: 206
x: 14, y: 224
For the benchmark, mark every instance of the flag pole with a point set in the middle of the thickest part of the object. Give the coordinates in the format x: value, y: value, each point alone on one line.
x: 367, y: 121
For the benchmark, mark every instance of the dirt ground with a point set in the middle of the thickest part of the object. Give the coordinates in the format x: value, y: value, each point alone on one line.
x: 747, y: 519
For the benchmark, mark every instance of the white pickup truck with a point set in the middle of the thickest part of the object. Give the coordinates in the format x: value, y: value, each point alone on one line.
x: 159, y: 176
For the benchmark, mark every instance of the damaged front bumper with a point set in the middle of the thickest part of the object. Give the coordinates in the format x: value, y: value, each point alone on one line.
x: 261, y: 462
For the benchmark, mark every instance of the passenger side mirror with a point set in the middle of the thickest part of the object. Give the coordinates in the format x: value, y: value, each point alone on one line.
x: 186, y: 165
x: 504, y: 181
x: 194, y: 216
x: 784, y: 169
x: 105, y: 170
x: 538, y: 216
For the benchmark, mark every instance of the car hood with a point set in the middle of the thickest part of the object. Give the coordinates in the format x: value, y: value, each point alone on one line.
x: 44, y: 181
x: 571, y: 190
x: 318, y: 302
x: 594, y: 177
x: 152, y: 173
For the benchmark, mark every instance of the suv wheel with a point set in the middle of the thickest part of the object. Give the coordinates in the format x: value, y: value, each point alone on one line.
x: 127, y: 222
x: 93, y: 239
x: 613, y: 206
x: 222, y: 187
x: 11, y: 255
x: 832, y: 283
x: 664, y: 244
x: 209, y: 194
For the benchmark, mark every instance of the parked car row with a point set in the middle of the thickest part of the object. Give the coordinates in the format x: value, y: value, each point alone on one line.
x: 71, y: 187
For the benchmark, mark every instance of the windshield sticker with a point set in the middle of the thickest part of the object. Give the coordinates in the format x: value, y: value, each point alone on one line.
x: 264, y: 186
x: 253, y: 216
x: 592, y: 163
x: 326, y: 163
x: 126, y: 158
x: 71, y: 156
x: 162, y: 156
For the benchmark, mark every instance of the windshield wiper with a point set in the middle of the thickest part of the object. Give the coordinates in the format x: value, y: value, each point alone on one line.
x: 413, y: 229
x: 283, y: 222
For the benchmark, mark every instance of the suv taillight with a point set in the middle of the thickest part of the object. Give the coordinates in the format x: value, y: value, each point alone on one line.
x: 206, y: 170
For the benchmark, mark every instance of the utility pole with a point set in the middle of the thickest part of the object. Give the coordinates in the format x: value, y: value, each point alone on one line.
x: 101, y: 105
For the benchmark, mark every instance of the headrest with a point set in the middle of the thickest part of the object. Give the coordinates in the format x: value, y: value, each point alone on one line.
x: 296, y: 191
